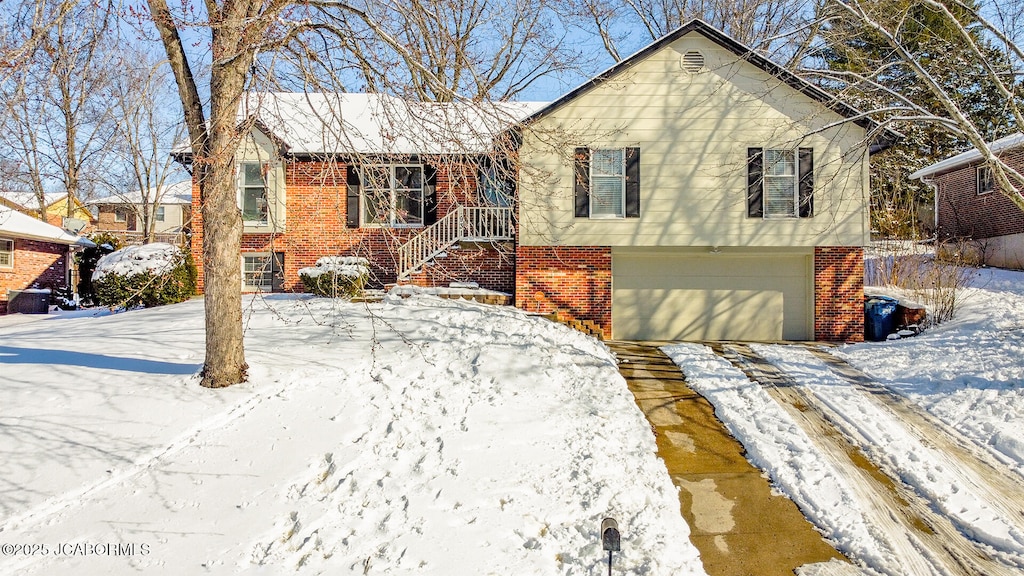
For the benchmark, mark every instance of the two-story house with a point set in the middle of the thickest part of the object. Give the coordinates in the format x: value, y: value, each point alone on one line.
x: 695, y: 190
x: 167, y: 210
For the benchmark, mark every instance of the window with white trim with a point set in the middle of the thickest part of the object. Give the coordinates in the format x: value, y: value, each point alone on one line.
x: 159, y: 214
x: 120, y: 215
x: 780, y: 190
x: 985, y: 181
x: 780, y: 183
x: 392, y: 195
x: 608, y: 183
x: 253, y: 193
x: 257, y: 272
x: 6, y: 253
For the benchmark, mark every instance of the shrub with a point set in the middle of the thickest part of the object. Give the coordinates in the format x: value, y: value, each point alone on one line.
x: 335, y: 276
x: 147, y: 275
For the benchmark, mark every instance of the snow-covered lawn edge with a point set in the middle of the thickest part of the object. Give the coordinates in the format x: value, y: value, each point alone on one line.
x: 418, y: 435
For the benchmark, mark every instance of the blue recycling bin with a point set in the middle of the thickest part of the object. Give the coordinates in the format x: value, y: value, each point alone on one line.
x: 879, y: 317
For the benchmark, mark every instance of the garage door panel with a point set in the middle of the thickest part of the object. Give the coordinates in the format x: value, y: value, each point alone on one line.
x: 672, y: 297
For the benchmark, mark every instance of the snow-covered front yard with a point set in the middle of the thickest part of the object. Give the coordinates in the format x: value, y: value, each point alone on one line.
x: 427, y: 436
x: 417, y: 436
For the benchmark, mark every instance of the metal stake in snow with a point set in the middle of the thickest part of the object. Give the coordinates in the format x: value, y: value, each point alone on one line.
x: 610, y: 539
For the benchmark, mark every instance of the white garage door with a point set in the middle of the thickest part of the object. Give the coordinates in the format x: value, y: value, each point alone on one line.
x: 723, y: 296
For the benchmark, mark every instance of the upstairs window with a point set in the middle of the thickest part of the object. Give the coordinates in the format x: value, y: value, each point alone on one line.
x: 985, y: 180
x: 6, y: 253
x: 159, y: 214
x: 780, y: 183
x: 120, y: 215
x: 392, y: 195
x: 607, y: 183
x: 253, y: 194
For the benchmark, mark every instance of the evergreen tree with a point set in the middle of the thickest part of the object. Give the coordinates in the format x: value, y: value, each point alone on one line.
x: 862, y: 64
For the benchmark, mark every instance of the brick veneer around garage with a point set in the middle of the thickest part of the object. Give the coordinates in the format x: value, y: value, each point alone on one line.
x: 839, y: 293
x: 572, y: 282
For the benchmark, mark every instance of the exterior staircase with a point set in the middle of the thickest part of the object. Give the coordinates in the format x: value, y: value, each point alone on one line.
x: 463, y: 224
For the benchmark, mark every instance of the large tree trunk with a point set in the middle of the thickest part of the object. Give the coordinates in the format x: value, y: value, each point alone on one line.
x: 222, y: 221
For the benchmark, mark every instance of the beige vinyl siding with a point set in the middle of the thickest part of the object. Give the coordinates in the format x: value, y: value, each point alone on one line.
x: 693, y: 130
x: 698, y: 295
x: 259, y: 148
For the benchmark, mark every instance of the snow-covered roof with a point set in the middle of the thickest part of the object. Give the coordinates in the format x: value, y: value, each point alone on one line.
x: 28, y: 199
x: 177, y: 193
x: 347, y: 123
x: 18, y: 225
x: 972, y: 155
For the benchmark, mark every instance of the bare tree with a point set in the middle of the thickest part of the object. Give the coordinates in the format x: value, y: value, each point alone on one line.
x: 444, y: 50
x: 147, y: 129
x: 58, y: 117
x: 780, y: 29
x: 968, y: 41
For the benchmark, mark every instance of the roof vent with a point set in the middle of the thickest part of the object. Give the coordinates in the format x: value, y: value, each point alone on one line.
x: 693, y: 61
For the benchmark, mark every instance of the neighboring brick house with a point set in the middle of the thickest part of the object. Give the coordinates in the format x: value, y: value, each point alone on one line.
x: 971, y: 212
x: 693, y: 191
x: 33, y: 254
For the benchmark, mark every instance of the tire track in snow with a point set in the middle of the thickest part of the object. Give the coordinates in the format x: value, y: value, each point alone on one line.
x: 928, y: 541
x: 1000, y: 484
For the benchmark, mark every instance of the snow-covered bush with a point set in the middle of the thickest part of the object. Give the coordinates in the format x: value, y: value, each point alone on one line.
x: 147, y: 275
x: 335, y: 276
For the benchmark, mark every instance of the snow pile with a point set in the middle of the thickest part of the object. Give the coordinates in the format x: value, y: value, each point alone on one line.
x: 968, y: 372
x: 157, y: 257
x: 417, y: 435
x: 351, y: 266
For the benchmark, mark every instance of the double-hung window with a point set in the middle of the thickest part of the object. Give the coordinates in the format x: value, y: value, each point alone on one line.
x: 780, y: 183
x: 263, y: 272
x: 6, y: 253
x: 159, y: 214
x: 780, y: 191
x: 253, y: 194
x: 986, y: 183
x: 393, y: 195
x: 608, y: 183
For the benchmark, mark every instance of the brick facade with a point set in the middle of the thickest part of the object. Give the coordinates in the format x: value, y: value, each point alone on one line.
x: 571, y: 282
x: 36, y: 265
x: 317, y: 211
x: 963, y: 213
x: 839, y: 293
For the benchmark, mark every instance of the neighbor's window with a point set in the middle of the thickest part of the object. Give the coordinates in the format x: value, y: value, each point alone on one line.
x: 257, y: 272
x: 986, y: 183
x: 159, y: 214
x: 120, y: 215
x: 254, y: 193
x: 6, y: 253
x: 607, y: 183
x: 393, y: 195
x: 780, y: 191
